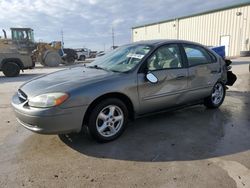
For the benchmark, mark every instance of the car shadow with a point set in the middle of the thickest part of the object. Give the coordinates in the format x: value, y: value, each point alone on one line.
x: 20, y: 78
x: 189, y: 134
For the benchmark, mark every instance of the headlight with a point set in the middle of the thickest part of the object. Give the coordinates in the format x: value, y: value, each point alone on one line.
x: 48, y: 100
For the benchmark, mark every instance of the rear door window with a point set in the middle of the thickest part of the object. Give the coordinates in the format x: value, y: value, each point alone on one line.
x: 197, y: 55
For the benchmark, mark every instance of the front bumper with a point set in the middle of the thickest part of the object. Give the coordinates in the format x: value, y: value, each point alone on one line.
x: 53, y: 120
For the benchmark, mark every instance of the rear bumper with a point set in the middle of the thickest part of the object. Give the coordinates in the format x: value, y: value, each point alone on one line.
x: 49, y: 120
x: 231, y: 78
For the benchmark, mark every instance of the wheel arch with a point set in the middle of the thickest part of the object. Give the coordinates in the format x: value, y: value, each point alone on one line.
x: 82, y: 56
x: 124, y: 98
x: 221, y: 80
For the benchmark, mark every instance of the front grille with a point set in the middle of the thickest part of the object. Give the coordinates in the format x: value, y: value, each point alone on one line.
x: 22, y: 96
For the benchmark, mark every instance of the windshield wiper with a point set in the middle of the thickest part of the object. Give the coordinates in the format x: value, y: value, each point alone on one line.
x: 115, y: 71
x: 95, y: 67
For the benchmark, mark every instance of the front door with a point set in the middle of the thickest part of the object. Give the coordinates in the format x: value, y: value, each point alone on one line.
x: 166, y: 64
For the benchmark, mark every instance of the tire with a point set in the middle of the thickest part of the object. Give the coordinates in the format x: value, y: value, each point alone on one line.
x: 70, y: 60
x: 70, y: 57
x: 52, y: 59
x: 11, y: 69
x: 244, y: 53
x: 82, y: 58
x: 217, y: 96
x: 105, y: 126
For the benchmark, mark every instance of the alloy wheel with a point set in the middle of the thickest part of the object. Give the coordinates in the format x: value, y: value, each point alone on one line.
x: 218, y: 92
x: 109, y: 121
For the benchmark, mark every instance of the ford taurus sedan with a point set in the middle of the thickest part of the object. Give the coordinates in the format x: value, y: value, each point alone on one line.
x: 129, y: 82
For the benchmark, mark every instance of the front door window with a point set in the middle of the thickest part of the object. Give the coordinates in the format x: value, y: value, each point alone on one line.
x: 166, y: 57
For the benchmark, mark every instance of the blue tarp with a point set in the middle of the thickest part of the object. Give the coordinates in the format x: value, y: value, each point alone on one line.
x: 220, y: 50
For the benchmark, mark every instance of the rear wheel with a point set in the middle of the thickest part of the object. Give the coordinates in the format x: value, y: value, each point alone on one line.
x: 244, y: 53
x: 82, y: 58
x: 70, y: 56
x: 108, y: 120
x: 70, y: 60
x: 11, y: 69
x: 217, y: 96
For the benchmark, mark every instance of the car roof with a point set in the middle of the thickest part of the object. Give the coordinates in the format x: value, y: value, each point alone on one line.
x: 165, y: 41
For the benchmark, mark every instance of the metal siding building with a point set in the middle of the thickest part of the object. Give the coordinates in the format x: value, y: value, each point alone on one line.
x: 229, y: 26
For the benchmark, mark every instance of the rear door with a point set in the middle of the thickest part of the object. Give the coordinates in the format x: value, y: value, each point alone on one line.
x: 203, y: 71
x: 167, y: 65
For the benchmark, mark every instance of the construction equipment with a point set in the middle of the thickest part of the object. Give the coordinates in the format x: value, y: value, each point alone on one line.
x: 52, y: 54
x: 15, y: 53
x: 48, y: 54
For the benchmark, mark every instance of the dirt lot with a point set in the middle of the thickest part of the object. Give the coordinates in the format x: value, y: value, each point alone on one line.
x: 193, y: 147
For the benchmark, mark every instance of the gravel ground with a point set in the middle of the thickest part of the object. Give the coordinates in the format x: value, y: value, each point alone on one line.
x: 192, y: 147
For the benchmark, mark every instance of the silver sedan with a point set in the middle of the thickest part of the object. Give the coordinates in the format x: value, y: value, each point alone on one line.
x: 129, y: 82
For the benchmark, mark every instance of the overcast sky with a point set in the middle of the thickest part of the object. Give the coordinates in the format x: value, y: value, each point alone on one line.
x: 88, y: 22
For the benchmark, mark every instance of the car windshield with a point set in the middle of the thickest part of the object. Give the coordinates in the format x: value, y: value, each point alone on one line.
x: 121, y: 59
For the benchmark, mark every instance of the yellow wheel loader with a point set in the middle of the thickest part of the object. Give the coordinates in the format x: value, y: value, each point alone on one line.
x: 48, y: 53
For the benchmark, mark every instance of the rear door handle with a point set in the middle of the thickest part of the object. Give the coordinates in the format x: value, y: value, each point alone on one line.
x: 180, y: 77
x: 214, y: 72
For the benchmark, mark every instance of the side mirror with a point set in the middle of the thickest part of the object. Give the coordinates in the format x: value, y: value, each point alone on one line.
x: 151, y: 78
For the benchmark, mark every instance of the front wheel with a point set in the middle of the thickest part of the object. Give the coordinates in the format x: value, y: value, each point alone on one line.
x: 108, y: 120
x: 217, y: 96
x: 52, y: 59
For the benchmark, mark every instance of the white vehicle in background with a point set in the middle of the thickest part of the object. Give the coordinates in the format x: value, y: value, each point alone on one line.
x: 99, y: 54
x: 83, y: 53
x: 102, y: 53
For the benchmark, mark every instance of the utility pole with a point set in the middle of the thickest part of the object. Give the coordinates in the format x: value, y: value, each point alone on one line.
x: 113, y: 37
x: 177, y: 27
x: 62, y: 38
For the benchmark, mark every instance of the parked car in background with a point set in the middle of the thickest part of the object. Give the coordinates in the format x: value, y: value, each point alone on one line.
x: 129, y: 82
x: 83, y: 53
x: 101, y: 53
x: 92, y: 54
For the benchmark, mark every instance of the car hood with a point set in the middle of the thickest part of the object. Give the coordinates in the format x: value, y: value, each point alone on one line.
x: 64, y: 80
